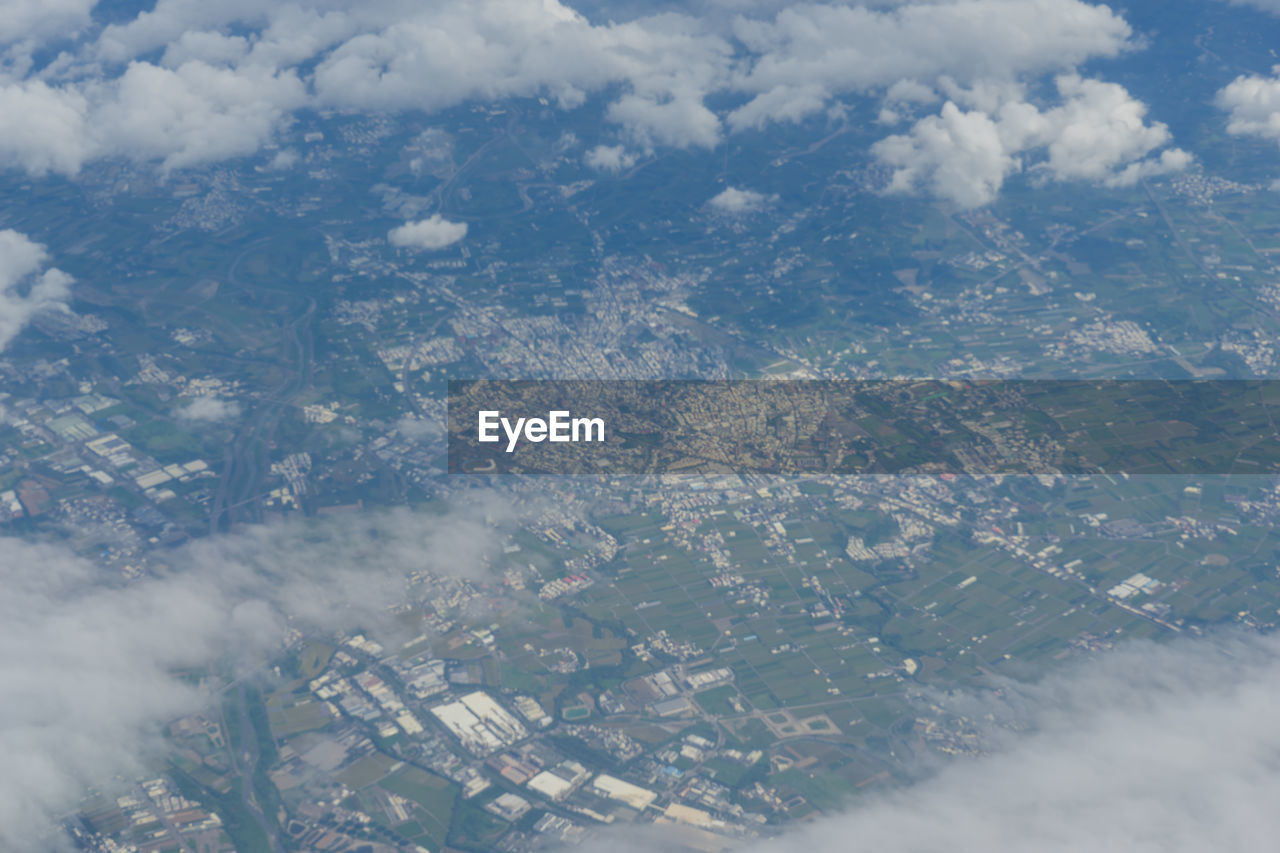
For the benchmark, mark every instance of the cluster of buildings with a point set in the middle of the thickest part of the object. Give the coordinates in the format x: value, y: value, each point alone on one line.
x: 64, y: 450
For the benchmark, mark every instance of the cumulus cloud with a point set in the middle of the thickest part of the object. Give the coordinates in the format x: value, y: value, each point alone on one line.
x: 610, y: 158
x: 34, y: 21
x: 90, y: 665
x: 195, y: 113
x: 454, y: 51
x: 230, y: 74
x: 1253, y: 105
x: 435, y: 232
x: 902, y: 97
x: 26, y: 288
x: 956, y: 155
x: 811, y: 52
x: 209, y: 410
x: 1097, y: 134
x: 1147, y: 749
x: 735, y: 202
x: 676, y: 121
x: 185, y: 116
x: 387, y: 55
x: 168, y: 21
x: 54, y: 133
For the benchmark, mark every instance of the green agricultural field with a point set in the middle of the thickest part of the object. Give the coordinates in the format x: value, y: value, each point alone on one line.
x: 367, y: 771
x: 434, y: 796
x: 303, y: 717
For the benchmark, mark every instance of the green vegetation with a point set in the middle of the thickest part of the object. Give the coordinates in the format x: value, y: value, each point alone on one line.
x: 435, y: 798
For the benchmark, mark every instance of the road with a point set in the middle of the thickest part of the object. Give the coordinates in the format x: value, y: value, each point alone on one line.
x: 247, y: 458
x: 245, y: 759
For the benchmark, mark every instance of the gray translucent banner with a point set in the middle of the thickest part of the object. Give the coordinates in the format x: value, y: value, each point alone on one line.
x: 603, y: 428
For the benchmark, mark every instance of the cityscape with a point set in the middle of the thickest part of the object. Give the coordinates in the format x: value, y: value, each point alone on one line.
x: 257, y: 596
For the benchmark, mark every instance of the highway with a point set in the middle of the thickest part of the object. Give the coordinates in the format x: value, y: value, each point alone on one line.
x: 247, y: 458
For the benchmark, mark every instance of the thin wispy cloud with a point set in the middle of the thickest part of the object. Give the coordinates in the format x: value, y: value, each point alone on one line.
x: 1145, y: 749
x: 92, y: 666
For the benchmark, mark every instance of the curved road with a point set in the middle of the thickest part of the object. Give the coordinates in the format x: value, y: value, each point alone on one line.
x: 247, y: 458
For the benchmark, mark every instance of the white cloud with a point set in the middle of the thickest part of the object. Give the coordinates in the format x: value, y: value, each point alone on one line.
x: 955, y: 155
x: 91, y: 667
x: 781, y: 103
x: 54, y: 133
x: 811, y: 52
x: 1253, y: 105
x: 1147, y: 749
x: 285, y: 158
x: 209, y: 410
x: 677, y: 121
x: 231, y: 74
x: 25, y: 287
x: 610, y: 158
x: 451, y: 51
x: 34, y: 21
x: 195, y: 113
x: 735, y: 202
x: 207, y: 47
x: 169, y: 20
x: 435, y: 232
x: 908, y: 92
x: 1097, y: 134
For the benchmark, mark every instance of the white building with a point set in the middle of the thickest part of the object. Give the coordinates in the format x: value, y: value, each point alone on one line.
x: 480, y: 723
